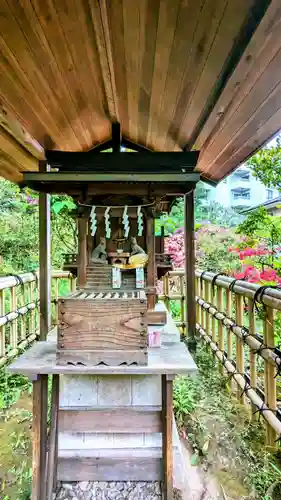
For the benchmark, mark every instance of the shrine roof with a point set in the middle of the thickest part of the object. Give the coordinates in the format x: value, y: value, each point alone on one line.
x: 176, y: 75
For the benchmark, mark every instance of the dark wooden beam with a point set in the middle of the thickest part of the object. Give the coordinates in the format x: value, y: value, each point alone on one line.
x: 247, y: 30
x: 116, y: 137
x: 190, y: 267
x: 100, y: 147
x: 127, y: 162
x: 45, y: 259
x: 127, y: 143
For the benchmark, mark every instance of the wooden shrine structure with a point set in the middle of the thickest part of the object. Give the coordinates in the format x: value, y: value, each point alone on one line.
x: 110, y: 326
x: 190, y: 90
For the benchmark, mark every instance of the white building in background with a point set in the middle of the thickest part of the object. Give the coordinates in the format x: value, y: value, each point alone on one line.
x: 240, y: 190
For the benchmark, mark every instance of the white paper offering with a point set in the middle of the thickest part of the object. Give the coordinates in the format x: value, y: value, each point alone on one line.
x: 139, y: 277
x: 116, y: 277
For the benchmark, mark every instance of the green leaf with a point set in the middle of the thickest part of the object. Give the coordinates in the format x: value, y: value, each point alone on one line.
x: 194, y: 460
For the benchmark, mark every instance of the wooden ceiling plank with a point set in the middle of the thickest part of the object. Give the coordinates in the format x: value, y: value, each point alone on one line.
x: 147, y: 68
x: 224, y: 40
x: 23, y: 98
x: 261, y: 94
x: 133, y: 56
x: 263, y: 133
x: 36, y: 59
x: 211, y: 16
x: 262, y: 48
x: 113, y: 17
x: 261, y: 115
x: 186, y: 25
x: 165, y: 35
x: 99, y: 19
x: 88, y: 96
x: 18, y: 132
x: 52, y: 29
x: 14, y: 158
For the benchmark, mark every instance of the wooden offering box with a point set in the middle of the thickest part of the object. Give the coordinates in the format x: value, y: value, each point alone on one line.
x: 102, y: 327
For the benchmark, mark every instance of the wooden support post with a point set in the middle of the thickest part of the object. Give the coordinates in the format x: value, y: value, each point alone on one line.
x: 150, y: 244
x: 167, y: 436
x: 116, y: 137
x: 269, y: 375
x: 39, y: 437
x: 45, y: 259
x: 190, y: 267
x: 53, y: 438
x: 82, y: 252
x: 162, y: 240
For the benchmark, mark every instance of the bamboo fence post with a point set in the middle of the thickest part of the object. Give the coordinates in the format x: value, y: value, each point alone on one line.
x: 239, y: 313
x: 220, y: 325
x: 23, y: 302
x: 214, y: 325
x: 203, y: 294
x: 252, y: 357
x: 269, y: 375
x: 182, y: 303
x: 198, y: 308
x: 32, y: 313
x: 56, y: 301
x: 208, y: 299
x: 166, y: 292
x: 14, y: 323
x: 229, y: 315
x: 2, y: 328
x: 72, y: 284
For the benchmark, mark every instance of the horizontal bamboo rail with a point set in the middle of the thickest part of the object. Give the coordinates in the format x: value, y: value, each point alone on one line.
x: 229, y: 313
x: 20, y: 309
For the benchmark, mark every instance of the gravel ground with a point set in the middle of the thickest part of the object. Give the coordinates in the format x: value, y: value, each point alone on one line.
x: 95, y: 490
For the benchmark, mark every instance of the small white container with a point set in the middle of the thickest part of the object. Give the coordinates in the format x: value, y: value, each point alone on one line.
x: 154, y: 338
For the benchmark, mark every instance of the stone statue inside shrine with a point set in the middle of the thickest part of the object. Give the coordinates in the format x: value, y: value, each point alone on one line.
x: 136, y: 249
x: 99, y: 254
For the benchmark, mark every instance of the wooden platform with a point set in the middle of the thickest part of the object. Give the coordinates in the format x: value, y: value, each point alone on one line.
x: 170, y: 359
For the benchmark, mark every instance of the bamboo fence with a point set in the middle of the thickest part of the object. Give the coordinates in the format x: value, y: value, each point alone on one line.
x: 20, y: 309
x: 236, y: 320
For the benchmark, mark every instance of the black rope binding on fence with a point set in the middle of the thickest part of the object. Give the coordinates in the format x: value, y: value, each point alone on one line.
x: 201, y: 277
x: 213, y: 282
x: 19, y: 280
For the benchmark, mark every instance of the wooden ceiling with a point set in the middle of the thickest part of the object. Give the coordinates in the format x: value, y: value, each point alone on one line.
x: 176, y: 74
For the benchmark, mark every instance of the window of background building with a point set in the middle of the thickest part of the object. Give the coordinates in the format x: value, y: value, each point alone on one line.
x: 269, y: 194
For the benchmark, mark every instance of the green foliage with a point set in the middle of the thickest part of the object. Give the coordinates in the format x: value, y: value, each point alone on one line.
x: 213, y: 212
x: 19, y: 228
x: 218, y: 427
x: 266, y: 165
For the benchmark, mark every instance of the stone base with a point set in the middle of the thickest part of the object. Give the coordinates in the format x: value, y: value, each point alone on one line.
x: 97, y: 490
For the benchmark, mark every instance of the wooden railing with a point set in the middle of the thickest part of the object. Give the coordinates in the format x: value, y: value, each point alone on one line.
x: 237, y: 320
x: 19, y: 309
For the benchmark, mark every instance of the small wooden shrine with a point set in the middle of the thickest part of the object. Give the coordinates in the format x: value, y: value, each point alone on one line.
x: 116, y: 351
x: 118, y: 197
